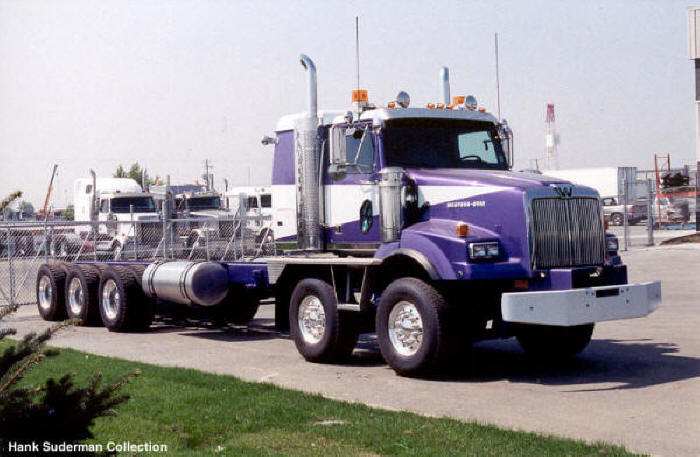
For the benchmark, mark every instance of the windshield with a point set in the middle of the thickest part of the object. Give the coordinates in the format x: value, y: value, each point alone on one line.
x: 442, y: 143
x: 204, y: 203
x: 141, y: 205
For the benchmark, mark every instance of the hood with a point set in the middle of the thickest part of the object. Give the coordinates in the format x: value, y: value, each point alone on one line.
x: 209, y: 213
x: 146, y: 217
x: 471, y: 177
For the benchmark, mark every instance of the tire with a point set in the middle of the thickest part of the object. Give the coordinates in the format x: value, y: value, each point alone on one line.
x: 335, y: 335
x: 238, y: 307
x: 50, y: 292
x: 554, y: 342
x: 82, y: 288
x: 409, y: 299
x: 123, y: 305
x: 616, y: 219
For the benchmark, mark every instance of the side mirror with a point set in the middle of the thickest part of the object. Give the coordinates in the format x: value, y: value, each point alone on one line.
x: 336, y: 171
x: 506, y: 135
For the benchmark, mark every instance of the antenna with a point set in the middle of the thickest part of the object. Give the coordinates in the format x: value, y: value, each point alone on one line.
x: 357, y: 49
x: 498, y: 82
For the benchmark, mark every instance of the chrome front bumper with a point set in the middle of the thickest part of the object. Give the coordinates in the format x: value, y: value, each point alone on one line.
x: 581, y: 306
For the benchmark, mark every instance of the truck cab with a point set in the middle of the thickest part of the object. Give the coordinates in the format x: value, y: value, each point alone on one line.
x: 414, y: 212
x: 124, y: 216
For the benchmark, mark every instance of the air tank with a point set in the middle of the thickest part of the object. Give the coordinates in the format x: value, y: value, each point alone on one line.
x: 390, y: 204
x: 201, y: 283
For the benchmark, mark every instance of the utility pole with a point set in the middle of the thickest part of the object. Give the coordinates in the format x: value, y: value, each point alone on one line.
x: 694, y: 54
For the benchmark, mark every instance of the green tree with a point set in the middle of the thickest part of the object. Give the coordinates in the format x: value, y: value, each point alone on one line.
x: 55, y: 412
x: 5, y: 209
x: 68, y: 214
x: 26, y: 208
x: 135, y: 172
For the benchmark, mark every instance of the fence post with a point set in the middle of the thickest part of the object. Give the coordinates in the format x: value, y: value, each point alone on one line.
x: 650, y: 213
x: 94, y: 239
x: 133, y: 230
x: 206, y: 239
x: 624, y: 213
x: 10, y: 251
x: 166, y: 214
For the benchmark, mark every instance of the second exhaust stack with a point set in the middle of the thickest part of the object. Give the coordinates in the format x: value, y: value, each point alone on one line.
x: 445, y: 85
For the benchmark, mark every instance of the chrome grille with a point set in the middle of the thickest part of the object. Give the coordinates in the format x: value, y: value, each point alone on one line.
x: 567, y: 232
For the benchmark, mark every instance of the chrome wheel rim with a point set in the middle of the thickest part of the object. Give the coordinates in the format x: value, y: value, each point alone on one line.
x: 45, y: 293
x: 312, y: 319
x: 405, y: 328
x: 75, y: 296
x: 111, y: 299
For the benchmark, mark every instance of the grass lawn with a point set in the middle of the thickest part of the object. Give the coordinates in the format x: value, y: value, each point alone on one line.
x: 197, y: 413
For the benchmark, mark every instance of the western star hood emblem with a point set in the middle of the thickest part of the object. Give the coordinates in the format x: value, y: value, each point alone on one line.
x: 563, y: 190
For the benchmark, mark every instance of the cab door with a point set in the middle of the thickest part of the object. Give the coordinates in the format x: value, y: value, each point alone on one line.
x: 351, y: 188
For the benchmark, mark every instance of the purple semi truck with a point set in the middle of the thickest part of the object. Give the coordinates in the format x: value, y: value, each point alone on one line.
x: 402, y: 221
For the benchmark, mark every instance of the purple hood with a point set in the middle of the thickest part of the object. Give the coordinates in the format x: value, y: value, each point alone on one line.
x: 460, y: 177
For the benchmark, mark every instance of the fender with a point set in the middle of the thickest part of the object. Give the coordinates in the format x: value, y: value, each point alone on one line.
x: 419, y: 257
x: 433, y: 248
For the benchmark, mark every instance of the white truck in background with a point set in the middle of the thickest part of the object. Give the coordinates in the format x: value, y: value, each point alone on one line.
x: 202, y: 215
x: 258, y: 208
x: 118, y: 211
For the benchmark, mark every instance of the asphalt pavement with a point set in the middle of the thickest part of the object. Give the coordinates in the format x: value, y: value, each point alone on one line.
x: 637, y: 384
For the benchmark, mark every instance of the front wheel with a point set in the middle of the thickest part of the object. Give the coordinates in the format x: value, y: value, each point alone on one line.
x: 554, y: 342
x: 616, y: 219
x: 412, y: 327
x: 321, y: 332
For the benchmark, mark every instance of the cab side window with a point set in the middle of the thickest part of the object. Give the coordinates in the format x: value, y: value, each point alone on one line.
x: 104, y: 206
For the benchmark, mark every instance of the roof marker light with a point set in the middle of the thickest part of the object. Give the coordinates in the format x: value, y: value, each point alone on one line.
x: 431, y: 106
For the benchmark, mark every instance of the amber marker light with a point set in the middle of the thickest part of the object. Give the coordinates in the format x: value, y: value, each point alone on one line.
x: 462, y: 229
x: 360, y: 95
x: 520, y: 284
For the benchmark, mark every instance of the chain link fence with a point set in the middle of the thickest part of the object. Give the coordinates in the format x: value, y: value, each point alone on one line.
x: 662, y: 213
x: 24, y: 246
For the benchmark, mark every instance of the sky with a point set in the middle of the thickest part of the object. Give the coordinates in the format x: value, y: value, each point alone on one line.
x: 94, y: 84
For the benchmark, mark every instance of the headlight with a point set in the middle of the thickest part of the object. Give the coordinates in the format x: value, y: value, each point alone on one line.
x: 484, y: 251
x: 613, y: 244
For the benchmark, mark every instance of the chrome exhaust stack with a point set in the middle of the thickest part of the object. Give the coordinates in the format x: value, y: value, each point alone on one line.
x: 445, y: 85
x: 307, y: 155
x: 93, y: 200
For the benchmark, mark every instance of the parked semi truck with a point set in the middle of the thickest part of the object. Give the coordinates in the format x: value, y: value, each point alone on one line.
x: 199, y: 213
x: 257, y: 203
x: 119, y: 216
x: 398, y: 220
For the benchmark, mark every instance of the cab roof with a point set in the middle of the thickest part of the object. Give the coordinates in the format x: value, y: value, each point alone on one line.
x: 379, y: 115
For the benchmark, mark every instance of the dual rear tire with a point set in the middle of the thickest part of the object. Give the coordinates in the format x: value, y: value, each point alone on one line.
x: 50, y: 292
x: 321, y: 332
x: 81, y: 288
x: 94, y: 293
x: 123, y: 305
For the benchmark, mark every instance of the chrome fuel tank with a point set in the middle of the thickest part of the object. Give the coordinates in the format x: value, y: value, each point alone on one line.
x: 202, y: 283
